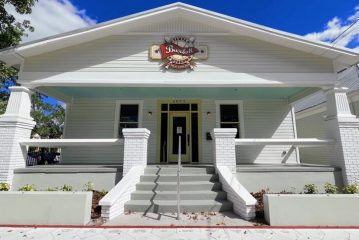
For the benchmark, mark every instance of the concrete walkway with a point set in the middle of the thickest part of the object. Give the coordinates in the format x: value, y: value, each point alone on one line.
x: 170, y: 219
x: 176, y: 233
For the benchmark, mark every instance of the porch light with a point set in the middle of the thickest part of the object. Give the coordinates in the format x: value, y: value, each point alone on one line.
x: 209, y: 113
x: 149, y: 113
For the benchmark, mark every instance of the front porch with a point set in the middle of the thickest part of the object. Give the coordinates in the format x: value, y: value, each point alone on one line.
x: 254, y: 177
x: 223, y: 127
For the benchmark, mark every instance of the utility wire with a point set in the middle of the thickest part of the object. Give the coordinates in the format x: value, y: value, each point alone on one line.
x: 346, y: 30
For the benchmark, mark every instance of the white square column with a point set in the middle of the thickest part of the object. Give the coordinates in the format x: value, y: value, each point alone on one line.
x: 225, y: 148
x: 15, y: 124
x: 135, y: 149
x: 343, y: 126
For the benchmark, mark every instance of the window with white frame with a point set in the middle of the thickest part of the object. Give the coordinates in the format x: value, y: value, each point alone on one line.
x: 128, y: 115
x: 229, y: 116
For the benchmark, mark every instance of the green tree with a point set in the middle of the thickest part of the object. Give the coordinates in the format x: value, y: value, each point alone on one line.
x: 11, y: 32
x: 49, y: 118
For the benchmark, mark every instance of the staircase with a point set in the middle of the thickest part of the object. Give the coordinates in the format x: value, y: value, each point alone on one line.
x: 200, y: 191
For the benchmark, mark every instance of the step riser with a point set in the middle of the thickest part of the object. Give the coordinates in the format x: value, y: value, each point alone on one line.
x: 159, y: 196
x: 183, y: 170
x: 173, y: 208
x: 183, y: 178
x: 188, y: 187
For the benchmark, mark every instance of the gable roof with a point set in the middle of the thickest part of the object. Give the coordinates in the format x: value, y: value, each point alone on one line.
x: 340, y: 56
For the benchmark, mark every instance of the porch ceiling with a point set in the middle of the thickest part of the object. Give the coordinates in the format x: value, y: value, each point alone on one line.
x: 66, y: 93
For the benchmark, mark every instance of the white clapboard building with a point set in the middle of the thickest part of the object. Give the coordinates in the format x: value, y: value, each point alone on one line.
x: 134, y: 85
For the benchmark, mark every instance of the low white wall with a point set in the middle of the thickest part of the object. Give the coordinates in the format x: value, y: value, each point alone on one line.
x: 113, y: 204
x: 290, y: 181
x: 61, y: 208
x: 311, y: 209
x: 243, y: 202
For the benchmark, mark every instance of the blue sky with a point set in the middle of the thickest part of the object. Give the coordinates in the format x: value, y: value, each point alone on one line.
x: 320, y: 20
x: 299, y: 17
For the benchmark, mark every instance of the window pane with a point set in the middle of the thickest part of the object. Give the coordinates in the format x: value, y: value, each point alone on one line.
x: 164, y: 107
x: 129, y: 113
x: 179, y: 107
x: 194, y: 121
x: 229, y: 113
x: 231, y: 125
x: 164, y: 119
x: 125, y: 125
x: 194, y: 107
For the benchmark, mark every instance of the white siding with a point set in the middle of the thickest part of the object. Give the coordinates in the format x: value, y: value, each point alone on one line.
x: 267, y: 119
x: 95, y: 119
x: 130, y: 54
x: 313, y: 127
x: 91, y: 119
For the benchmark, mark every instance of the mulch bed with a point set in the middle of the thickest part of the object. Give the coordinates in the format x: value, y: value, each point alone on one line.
x: 96, y: 209
x: 259, y: 206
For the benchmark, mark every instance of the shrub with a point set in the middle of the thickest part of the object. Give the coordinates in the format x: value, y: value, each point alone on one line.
x: 89, y: 186
x: 330, y: 188
x: 4, y: 186
x: 66, y: 188
x: 310, y: 189
x: 103, y: 193
x: 351, y: 189
x: 28, y: 188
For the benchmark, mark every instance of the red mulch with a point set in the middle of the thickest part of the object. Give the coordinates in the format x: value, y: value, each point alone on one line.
x: 259, y: 207
x: 96, y: 209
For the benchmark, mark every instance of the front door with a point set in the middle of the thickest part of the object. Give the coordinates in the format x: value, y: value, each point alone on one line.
x: 179, y: 120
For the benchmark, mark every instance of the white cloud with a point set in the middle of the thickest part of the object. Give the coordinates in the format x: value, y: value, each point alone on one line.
x: 335, y: 27
x: 50, y: 17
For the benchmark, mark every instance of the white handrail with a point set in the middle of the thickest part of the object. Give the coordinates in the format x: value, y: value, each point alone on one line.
x: 296, y: 142
x: 70, y: 142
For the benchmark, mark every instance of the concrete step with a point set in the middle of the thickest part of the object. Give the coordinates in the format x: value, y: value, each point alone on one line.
x: 185, y: 186
x: 165, y: 206
x: 185, y: 177
x: 173, y: 170
x: 184, y: 195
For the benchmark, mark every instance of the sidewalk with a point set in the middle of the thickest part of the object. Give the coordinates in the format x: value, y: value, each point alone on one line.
x: 225, y: 233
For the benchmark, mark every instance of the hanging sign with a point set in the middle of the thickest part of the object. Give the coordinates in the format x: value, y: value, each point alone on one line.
x: 178, y: 53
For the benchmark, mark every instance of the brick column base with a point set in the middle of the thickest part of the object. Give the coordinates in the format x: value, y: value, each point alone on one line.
x: 135, y: 150
x: 225, y: 148
x: 15, y: 124
x: 344, y: 128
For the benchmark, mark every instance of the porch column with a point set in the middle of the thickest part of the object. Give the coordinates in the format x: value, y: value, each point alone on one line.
x: 135, y: 149
x: 344, y: 127
x: 225, y: 148
x: 15, y: 124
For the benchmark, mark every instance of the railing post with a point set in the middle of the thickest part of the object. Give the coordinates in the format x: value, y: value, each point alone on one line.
x: 135, y: 148
x: 15, y: 124
x: 225, y: 148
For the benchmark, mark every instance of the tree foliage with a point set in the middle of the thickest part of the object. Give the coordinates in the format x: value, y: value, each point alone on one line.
x: 49, y: 117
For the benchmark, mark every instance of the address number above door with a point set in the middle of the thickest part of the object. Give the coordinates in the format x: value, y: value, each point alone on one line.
x: 178, y: 53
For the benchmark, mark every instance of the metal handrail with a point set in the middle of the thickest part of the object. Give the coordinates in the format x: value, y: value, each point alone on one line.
x: 179, y: 178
